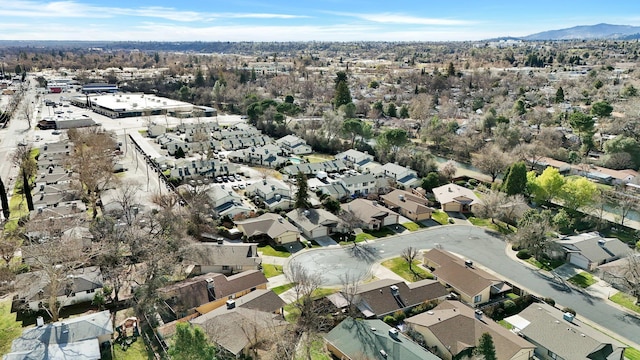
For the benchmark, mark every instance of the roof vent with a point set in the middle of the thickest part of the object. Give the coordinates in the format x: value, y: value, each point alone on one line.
x: 231, y: 304
x: 479, y: 314
x: 383, y: 354
x: 601, y: 242
x: 468, y: 263
x: 401, y: 197
x: 393, y: 332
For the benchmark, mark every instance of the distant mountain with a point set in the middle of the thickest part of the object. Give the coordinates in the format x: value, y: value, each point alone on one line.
x: 589, y: 32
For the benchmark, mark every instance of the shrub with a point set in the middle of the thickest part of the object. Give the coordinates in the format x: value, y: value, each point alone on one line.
x: 515, y: 247
x: 510, y: 307
x: 569, y: 310
x: 550, y: 301
x: 398, y: 316
x: 389, y: 320
x: 523, y: 254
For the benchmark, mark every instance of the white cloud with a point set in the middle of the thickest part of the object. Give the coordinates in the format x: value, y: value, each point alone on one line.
x: 390, y: 18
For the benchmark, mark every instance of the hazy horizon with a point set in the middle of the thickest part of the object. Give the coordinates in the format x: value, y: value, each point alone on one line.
x: 283, y: 20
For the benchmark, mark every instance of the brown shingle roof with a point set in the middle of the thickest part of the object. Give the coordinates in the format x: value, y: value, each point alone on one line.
x: 452, y: 270
x: 457, y: 328
x: 413, y: 203
x: 378, y: 298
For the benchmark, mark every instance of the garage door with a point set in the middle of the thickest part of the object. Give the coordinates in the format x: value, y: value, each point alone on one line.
x: 579, y: 261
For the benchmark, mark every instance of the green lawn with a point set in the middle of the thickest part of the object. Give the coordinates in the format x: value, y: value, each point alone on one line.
x: 282, y: 288
x: 137, y: 351
x: 270, y: 270
x: 512, y: 296
x: 583, y: 280
x: 498, y: 226
x: 411, y: 226
x: 441, y: 217
x: 625, y: 300
x: 318, y: 352
x: 505, y: 324
x: 547, y: 265
x: 316, y: 158
x: 9, y: 327
x: 384, y: 232
x: 322, y: 292
x: 400, y: 266
x: 270, y: 251
x: 632, y: 354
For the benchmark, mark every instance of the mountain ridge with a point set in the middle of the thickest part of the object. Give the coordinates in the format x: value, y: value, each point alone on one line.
x: 601, y: 31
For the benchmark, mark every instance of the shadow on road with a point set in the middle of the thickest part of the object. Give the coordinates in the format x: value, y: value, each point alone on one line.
x: 364, y: 253
x: 629, y: 318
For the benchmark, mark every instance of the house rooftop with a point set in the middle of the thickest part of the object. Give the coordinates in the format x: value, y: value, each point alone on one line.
x: 228, y: 254
x: 455, y: 193
x: 269, y: 224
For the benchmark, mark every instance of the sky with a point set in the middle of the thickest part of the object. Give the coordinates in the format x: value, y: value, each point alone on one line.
x: 301, y: 20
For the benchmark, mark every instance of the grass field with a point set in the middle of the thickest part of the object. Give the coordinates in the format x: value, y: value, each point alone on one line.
x: 270, y: 270
x: 401, y: 267
x: 583, y: 280
x: 632, y: 354
x: 411, y: 226
x: 625, y: 300
x: 282, y: 288
x: 441, y: 217
x: 137, y: 351
x: 316, y: 158
x: 270, y: 251
x: 500, y: 227
x: 547, y: 265
x: 9, y: 327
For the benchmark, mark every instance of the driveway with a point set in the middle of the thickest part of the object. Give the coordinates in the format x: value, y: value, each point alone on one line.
x: 479, y: 245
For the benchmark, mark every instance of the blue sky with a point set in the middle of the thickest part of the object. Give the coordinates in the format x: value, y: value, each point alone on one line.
x: 302, y: 20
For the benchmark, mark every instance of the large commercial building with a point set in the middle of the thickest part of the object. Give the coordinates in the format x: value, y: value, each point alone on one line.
x: 130, y: 105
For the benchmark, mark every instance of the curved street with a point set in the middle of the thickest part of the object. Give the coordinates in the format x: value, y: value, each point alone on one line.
x: 482, y: 247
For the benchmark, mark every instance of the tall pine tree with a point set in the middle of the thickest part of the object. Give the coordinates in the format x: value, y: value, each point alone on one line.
x: 4, y: 201
x: 302, y: 195
x: 485, y: 348
x: 516, y: 179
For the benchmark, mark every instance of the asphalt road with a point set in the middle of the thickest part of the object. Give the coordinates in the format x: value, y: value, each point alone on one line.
x: 483, y: 248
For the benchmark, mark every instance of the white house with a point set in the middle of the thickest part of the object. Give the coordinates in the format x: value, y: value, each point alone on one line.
x: 207, y: 167
x: 227, y: 202
x: 360, y: 185
x: 403, y: 176
x: 355, y: 159
x: 274, y: 193
x: 294, y: 145
x: 454, y: 197
x: 268, y: 155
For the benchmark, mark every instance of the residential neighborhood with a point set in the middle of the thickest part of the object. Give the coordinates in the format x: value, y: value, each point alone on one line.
x: 294, y: 200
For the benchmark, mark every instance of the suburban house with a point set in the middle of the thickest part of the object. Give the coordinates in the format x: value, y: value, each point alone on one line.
x: 453, y: 330
x: 360, y: 185
x: 313, y: 168
x: 314, y: 223
x: 222, y: 258
x: 371, y: 214
x: 246, y: 132
x: 270, y: 226
x: 203, y: 293
x: 78, y: 338
x: 386, y: 296
x: 589, y: 250
x: 274, y: 193
x: 227, y: 202
x: 355, y: 339
x: 268, y: 155
x: 605, y: 175
x: 455, y: 198
x: 408, y: 204
x: 237, y: 330
x: 559, y: 335
x: 540, y: 164
x: 79, y: 287
x: 620, y: 273
x: 292, y: 144
x: 56, y: 175
x: 336, y: 190
x: 355, y: 159
x: 207, y: 168
x: 155, y: 130
x: 260, y: 300
x: 245, y: 142
x: 402, y: 176
x: 474, y: 286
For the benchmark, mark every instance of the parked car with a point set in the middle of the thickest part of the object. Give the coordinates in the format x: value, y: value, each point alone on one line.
x: 241, y: 186
x: 238, y: 177
x: 55, y: 132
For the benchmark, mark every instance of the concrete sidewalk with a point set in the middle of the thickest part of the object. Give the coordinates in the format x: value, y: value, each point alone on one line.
x: 273, y: 260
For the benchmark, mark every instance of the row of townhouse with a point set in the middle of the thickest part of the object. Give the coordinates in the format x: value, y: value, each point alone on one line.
x: 207, y: 167
x: 268, y: 155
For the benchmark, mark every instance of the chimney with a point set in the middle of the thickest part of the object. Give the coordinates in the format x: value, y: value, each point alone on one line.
x: 478, y: 314
x: 231, y: 304
x: 393, y: 333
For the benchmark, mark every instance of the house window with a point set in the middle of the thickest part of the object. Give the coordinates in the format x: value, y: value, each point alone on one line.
x: 225, y: 267
x: 91, y: 291
x: 552, y: 354
x: 477, y: 298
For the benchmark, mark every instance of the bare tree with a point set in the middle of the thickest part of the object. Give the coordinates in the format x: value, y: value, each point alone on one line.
x: 28, y: 168
x: 491, y: 205
x: 409, y: 254
x: 9, y: 244
x: 491, y: 160
x: 350, y: 284
x: 27, y: 112
x: 448, y: 170
x: 126, y: 196
x: 625, y: 204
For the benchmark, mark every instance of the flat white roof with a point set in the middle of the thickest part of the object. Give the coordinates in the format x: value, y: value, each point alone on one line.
x: 138, y: 102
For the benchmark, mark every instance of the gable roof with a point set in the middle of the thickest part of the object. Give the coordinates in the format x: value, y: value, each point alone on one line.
x: 83, y: 279
x: 454, y: 193
x: 407, y: 201
x: 222, y: 254
x: 458, y: 328
x: 237, y: 323
x: 574, y: 340
x: 259, y: 300
x: 335, y: 189
x: 594, y: 247
x: 269, y: 224
x: 352, y: 155
x: 364, y: 339
x: 266, y: 186
x: 312, y: 218
x: 367, y: 210
x: 392, y: 169
x: 377, y: 298
x: 75, y: 338
x: 453, y: 270
x: 193, y: 292
x: 358, y: 179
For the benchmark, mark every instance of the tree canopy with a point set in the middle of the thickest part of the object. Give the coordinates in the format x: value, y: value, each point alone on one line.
x: 191, y: 344
x: 546, y: 186
x: 516, y: 180
x: 601, y: 109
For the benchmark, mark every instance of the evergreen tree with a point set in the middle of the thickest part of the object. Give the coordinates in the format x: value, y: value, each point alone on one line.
x: 559, y: 95
x: 302, y: 195
x: 26, y: 188
x: 4, y: 200
x: 485, y: 348
x: 516, y: 179
x: 180, y: 153
x: 199, y: 80
x: 392, y: 110
x: 191, y: 344
x: 342, y: 95
x: 404, y: 112
x: 451, y: 71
